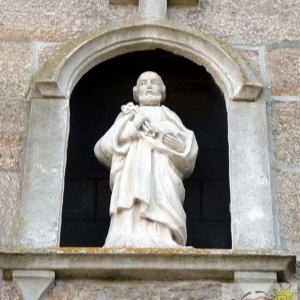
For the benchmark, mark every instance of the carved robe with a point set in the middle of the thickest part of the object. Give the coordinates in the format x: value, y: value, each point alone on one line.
x: 146, y: 180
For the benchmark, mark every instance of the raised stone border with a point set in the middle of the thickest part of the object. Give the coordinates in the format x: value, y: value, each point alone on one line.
x: 229, y: 69
x: 146, y: 263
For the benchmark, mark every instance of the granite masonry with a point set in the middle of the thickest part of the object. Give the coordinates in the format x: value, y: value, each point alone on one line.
x: 266, y: 34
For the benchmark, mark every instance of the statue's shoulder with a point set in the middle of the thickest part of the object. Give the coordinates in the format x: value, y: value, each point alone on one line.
x: 168, y: 110
x: 171, y: 114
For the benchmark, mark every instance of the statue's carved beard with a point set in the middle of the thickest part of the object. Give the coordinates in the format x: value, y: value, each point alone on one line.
x: 150, y: 100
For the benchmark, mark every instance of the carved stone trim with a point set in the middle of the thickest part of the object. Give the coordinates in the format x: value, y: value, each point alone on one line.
x: 154, y: 9
x: 33, y: 285
x: 235, y: 78
x: 261, y: 277
x: 147, y: 264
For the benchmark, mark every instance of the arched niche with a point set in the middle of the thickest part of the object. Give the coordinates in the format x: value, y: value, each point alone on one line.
x: 95, y: 103
x: 251, y: 205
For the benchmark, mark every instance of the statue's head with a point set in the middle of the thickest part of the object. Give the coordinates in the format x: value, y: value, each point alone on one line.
x: 149, y: 90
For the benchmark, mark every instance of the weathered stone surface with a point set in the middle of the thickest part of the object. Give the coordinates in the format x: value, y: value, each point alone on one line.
x: 8, y: 291
x: 289, y: 199
x: 10, y: 151
x: 12, y: 124
x: 252, y: 58
x: 70, y: 293
x: 170, y: 2
x: 251, y: 202
x: 15, y: 63
x: 155, y: 264
x: 45, y: 51
x: 101, y: 290
x: 153, y: 8
x: 44, y: 173
x: 286, y: 131
x: 240, y: 22
x: 245, y: 21
x: 33, y: 284
x: 9, y: 189
x: 12, y: 116
x: 248, y: 277
x: 57, y: 20
x: 283, y: 68
x: 78, y: 56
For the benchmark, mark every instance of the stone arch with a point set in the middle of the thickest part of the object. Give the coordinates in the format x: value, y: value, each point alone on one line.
x: 40, y: 217
x: 228, y: 68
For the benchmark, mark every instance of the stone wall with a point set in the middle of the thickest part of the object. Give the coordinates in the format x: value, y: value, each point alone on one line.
x: 266, y: 32
x: 102, y: 290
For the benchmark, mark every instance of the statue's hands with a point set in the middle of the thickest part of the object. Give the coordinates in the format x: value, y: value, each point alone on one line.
x: 174, y: 141
x: 138, y: 120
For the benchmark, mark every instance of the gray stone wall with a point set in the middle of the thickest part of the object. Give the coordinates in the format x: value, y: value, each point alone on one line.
x: 102, y: 290
x: 266, y: 32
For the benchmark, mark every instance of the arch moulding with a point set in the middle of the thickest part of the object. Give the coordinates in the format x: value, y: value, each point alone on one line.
x: 251, y: 205
x: 229, y: 69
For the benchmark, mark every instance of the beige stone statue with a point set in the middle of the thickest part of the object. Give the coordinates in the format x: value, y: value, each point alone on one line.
x: 149, y: 152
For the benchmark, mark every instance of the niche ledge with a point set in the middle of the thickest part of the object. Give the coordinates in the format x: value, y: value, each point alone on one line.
x: 146, y: 263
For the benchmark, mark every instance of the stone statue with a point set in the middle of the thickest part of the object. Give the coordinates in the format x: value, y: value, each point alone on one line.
x: 149, y: 152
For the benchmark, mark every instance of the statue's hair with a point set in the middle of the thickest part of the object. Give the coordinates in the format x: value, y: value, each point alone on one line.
x: 135, y: 88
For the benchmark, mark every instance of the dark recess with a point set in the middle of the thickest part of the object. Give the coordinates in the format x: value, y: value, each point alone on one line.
x: 95, y: 103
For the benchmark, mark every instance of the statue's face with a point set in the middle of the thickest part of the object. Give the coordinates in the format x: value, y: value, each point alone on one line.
x: 150, y: 88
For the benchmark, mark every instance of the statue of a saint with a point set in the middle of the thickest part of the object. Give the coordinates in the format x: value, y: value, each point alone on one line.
x: 149, y: 152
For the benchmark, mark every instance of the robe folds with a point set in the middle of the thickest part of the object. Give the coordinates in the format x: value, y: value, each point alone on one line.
x: 146, y: 177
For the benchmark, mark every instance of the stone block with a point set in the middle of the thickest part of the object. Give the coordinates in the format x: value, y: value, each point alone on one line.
x: 261, y: 277
x: 33, y: 285
x: 243, y: 22
x: 16, y: 66
x: 10, y: 151
x: 251, y: 201
x: 283, y: 69
x: 46, y: 51
x: 239, y: 22
x: 9, y: 190
x: 126, y: 290
x: 289, y: 209
x: 252, y: 58
x: 170, y: 2
x: 59, y: 293
x: 12, y: 116
x: 45, y: 163
x: 153, y: 8
x: 8, y: 291
x: 57, y: 20
x: 12, y: 123
x: 286, y: 124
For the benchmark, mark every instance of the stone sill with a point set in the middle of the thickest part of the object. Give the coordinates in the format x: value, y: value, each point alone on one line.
x: 170, y: 2
x: 145, y: 264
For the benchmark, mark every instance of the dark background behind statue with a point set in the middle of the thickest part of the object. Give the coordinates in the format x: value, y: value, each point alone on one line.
x: 95, y: 103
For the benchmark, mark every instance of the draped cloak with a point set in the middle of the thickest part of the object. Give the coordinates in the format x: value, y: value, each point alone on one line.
x: 148, y: 174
